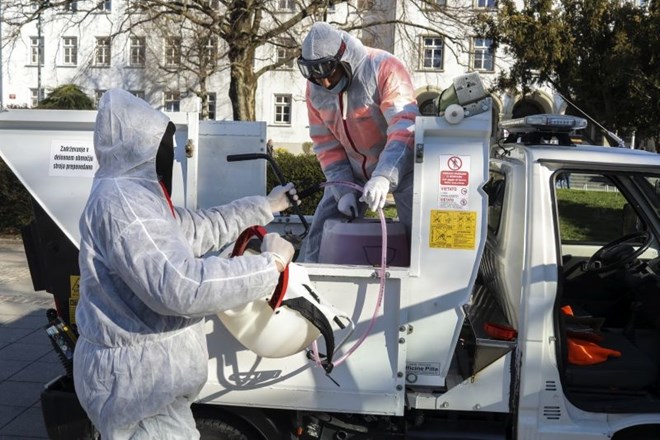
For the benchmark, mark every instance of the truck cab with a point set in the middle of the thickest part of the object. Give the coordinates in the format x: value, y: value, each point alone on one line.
x: 572, y: 258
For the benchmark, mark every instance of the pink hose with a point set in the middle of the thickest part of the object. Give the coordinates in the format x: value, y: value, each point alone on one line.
x: 381, y: 292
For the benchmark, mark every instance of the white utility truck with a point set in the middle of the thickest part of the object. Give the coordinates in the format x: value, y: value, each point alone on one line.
x: 470, y: 338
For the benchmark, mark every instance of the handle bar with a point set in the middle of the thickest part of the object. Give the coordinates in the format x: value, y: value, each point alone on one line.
x: 280, y: 177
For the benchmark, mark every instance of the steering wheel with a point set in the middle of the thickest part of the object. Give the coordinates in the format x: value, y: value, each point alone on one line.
x: 614, y: 254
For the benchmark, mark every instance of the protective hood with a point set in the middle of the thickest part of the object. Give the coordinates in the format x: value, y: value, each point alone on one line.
x: 128, y: 136
x: 323, y: 40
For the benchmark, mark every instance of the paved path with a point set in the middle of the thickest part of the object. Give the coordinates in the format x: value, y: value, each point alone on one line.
x: 27, y: 360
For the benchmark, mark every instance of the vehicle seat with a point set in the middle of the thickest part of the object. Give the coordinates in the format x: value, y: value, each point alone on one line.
x: 634, y: 370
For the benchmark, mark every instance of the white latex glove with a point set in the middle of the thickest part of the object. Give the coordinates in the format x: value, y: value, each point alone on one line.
x: 375, y: 192
x: 278, y: 199
x: 279, y: 248
x: 347, y: 205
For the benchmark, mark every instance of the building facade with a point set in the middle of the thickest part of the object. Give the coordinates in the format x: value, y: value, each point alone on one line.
x: 61, y: 48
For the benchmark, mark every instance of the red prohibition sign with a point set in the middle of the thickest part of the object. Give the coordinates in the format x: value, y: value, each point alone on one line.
x: 455, y: 163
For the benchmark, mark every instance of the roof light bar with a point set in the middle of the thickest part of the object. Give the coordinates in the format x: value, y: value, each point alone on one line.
x: 544, y: 122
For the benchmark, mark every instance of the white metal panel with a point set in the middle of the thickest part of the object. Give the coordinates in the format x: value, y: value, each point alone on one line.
x: 26, y: 142
x: 220, y: 181
x: 448, y: 236
x: 371, y: 380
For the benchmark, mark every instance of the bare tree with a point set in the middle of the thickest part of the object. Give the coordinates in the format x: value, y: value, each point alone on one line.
x: 242, y: 28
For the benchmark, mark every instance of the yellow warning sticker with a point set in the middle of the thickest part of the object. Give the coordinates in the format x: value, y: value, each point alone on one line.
x: 74, y: 281
x: 453, y: 229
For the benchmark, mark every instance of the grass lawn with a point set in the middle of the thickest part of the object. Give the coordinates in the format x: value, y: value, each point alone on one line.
x: 590, y: 215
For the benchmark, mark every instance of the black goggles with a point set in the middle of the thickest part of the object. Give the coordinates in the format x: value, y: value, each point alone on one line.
x: 321, y: 67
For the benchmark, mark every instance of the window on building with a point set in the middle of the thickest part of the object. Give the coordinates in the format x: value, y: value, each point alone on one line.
x: 70, y: 6
x: 104, y: 6
x: 102, y: 51
x: 210, y: 54
x: 137, y: 93
x: 433, y: 53
x: 485, y: 4
x: 36, y: 95
x: 286, y: 5
x: 138, y: 51
x: 213, y: 4
x: 98, y: 93
x: 70, y: 50
x: 172, y: 101
x: 172, y: 51
x: 483, y: 58
x: 37, y: 51
x: 211, y: 99
x: 285, y: 51
x: 283, y: 109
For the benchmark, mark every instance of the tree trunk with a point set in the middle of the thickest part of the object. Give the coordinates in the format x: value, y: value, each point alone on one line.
x: 242, y: 84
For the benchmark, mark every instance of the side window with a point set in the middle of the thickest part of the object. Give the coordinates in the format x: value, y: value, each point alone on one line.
x: 590, y: 208
x: 494, y: 188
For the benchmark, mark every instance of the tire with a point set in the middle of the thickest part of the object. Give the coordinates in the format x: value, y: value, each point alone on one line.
x: 213, y: 429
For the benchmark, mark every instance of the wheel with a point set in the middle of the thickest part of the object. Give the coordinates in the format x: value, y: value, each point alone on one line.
x: 213, y: 429
x: 619, y: 252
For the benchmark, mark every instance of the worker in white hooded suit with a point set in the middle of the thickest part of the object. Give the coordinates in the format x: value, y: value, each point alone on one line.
x: 141, y: 358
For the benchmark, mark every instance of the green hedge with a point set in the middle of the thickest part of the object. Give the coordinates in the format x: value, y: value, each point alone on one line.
x: 15, y: 202
x: 301, y: 169
x: 304, y: 171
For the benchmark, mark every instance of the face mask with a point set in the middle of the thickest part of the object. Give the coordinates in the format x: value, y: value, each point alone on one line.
x: 340, y: 86
x: 165, y: 157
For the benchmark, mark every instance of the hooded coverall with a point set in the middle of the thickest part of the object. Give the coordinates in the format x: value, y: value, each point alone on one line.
x: 365, y: 131
x: 141, y: 358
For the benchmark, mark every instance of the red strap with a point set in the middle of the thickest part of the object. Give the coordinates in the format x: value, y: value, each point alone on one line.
x: 167, y: 197
x: 239, y: 247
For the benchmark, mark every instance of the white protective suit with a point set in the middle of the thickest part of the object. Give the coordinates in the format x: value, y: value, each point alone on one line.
x: 141, y: 358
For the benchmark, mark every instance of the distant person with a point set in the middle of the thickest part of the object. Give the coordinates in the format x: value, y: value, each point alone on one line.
x: 141, y: 358
x: 564, y: 180
x: 362, y: 109
x: 269, y: 147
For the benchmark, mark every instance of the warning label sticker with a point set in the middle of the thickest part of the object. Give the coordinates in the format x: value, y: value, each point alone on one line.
x: 453, y: 229
x: 72, y: 159
x: 454, y: 182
